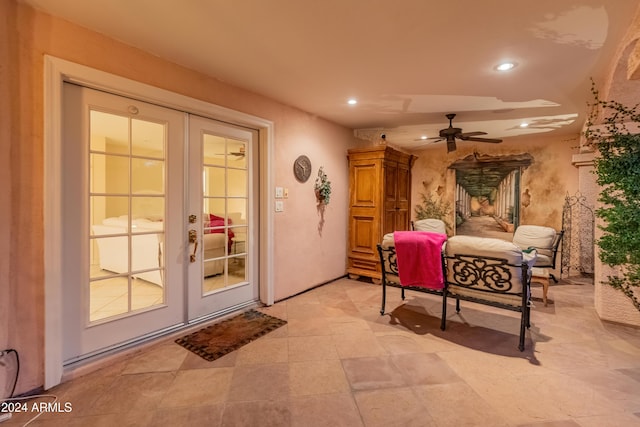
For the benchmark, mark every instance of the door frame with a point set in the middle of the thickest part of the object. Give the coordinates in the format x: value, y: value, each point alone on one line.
x: 56, y: 72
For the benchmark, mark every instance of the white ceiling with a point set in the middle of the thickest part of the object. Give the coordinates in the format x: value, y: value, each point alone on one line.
x: 408, y: 62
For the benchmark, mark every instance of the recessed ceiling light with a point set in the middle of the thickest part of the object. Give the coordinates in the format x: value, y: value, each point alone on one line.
x: 352, y: 101
x: 524, y: 125
x: 505, y: 66
x: 423, y: 137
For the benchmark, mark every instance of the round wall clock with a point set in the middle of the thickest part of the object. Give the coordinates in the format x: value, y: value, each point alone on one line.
x: 302, y: 168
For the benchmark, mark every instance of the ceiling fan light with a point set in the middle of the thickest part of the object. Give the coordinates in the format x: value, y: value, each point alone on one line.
x: 505, y: 66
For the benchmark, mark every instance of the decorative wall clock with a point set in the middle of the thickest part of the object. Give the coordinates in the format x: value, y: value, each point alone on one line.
x: 302, y: 168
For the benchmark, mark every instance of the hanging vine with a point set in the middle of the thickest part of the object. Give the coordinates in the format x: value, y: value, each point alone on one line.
x: 617, y: 167
x: 322, y: 187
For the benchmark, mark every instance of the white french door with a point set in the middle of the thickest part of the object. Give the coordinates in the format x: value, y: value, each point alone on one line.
x: 221, y: 273
x: 134, y: 262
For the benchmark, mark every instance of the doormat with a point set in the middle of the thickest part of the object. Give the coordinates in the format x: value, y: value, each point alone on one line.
x: 215, y: 341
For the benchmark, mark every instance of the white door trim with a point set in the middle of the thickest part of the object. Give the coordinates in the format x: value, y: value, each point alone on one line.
x: 56, y: 72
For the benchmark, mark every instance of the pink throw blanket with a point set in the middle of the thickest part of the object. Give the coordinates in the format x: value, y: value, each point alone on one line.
x: 419, y: 258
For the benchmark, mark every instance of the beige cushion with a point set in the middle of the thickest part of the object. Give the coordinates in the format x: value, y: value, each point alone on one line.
x: 430, y: 224
x: 535, y: 236
x: 484, y: 246
x: 460, y: 282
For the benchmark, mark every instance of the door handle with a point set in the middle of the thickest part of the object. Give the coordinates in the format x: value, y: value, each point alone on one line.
x: 193, y: 238
x: 192, y: 257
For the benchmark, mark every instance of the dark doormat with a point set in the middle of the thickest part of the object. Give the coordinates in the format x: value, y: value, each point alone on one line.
x: 215, y: 341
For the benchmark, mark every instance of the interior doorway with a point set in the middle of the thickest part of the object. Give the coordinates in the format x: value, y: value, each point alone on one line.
x: 130, y: 177
x: 57, y: 72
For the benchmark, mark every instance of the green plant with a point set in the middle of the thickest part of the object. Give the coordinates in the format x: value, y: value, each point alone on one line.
x: 617, y: 167
x: 323, y: 187
x: 433, y: 208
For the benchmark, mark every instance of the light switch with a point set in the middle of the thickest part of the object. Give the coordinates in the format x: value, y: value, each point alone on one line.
x: 279, y: 192
x: 279, y: 206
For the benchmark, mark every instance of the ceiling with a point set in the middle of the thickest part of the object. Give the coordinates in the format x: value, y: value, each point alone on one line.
x: 407, y: 62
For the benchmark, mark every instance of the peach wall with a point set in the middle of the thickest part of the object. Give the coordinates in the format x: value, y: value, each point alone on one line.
x: 7, y: 133
x: 549, y: 178
x: 304, y: 257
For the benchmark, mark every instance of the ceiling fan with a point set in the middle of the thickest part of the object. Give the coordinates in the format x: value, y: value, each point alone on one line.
x: 240, y: 153
x: 450, y: 134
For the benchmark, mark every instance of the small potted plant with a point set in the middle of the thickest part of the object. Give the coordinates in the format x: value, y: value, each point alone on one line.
x: 322, y: 187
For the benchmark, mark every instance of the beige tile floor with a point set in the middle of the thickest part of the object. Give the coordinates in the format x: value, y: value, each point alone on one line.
x: 339, y: 363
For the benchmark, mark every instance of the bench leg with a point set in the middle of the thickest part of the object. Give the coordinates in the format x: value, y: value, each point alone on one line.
x: 384, y: 296
x: 443, y: 322
x: 523, y: 321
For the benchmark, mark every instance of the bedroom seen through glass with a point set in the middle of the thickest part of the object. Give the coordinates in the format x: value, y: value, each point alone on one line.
x: 225, y: 206
x: 127, y: 172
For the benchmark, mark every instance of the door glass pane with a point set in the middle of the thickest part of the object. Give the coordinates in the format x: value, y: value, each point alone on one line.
x: 109, y: 174
x: 236, y: 151
x: 127, y: 209
x: 148, y: 212
x: 147, y: 176
x: 114, y: 261
x: 108, y: 215
x: 109, y: 133
x: 238, y: 210
x: 237, y: 270
x: 147, y: 139
x: 214, y: 181
x: 237, y: 183
x: 238, y: 221
x: 109, y: 297
x: 214, y: 205
x: 214, y: 150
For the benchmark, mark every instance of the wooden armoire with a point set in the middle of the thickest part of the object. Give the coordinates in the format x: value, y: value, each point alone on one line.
x: 379, y: 203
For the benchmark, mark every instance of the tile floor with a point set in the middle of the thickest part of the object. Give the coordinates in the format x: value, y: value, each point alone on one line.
x: 339, y: 363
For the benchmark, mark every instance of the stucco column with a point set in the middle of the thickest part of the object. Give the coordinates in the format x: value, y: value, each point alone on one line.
x: 610, y: 304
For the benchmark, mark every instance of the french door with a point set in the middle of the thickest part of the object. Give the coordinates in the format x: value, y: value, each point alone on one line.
x: 221, y: 179
x: 157, y: 224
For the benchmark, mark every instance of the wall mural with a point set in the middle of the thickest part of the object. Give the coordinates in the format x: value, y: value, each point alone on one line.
x: 487, y: 194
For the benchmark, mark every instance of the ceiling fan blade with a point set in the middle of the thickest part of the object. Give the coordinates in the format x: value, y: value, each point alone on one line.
x: 465, y: 135
x: 432, y: 139
x: 492, y: 140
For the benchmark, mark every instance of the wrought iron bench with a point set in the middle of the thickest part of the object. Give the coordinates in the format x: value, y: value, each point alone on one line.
x: 486, y: 271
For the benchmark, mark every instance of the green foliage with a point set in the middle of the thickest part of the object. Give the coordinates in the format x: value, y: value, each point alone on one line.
x: 617, y: 167
x: 323, y: 187
x: 433, y: 208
